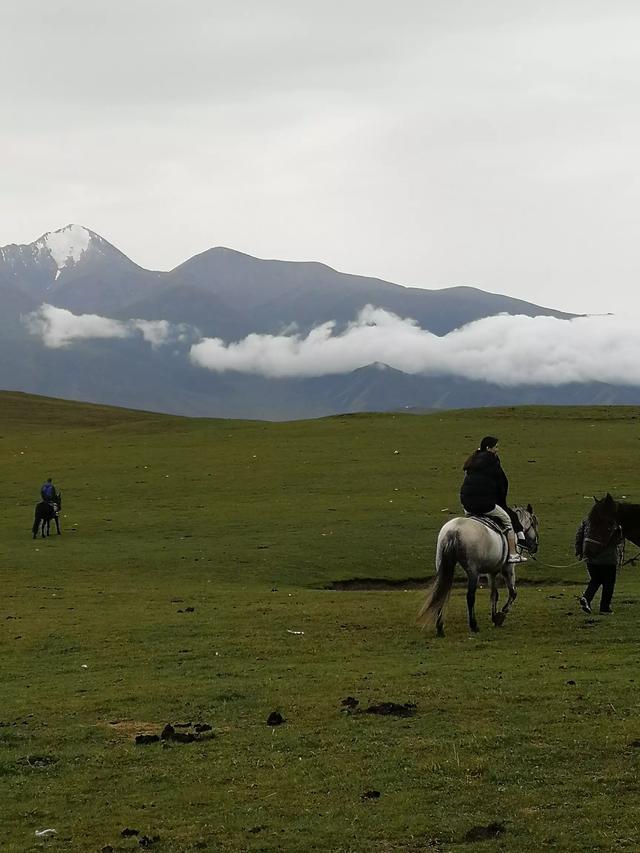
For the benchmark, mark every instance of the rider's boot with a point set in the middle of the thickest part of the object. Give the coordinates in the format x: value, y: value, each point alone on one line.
x: 514, y: 556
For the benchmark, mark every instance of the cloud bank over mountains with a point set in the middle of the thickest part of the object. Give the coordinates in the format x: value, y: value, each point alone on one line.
x: 505, y: 349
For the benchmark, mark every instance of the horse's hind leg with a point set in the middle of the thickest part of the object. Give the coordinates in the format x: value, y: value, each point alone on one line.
x: 471, y: 601
x: 497, y: 617
x: 439, y: 624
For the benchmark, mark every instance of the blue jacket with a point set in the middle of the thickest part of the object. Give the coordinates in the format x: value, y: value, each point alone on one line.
x: 48, y: 492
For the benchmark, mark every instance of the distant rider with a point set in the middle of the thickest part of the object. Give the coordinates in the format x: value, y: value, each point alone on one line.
x: 484, y: 491
x: 48, y: 491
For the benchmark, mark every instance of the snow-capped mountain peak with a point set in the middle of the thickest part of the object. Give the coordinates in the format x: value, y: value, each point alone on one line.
x: 67, y: 245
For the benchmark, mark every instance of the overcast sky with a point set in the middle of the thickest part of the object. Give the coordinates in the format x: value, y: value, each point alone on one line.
x: 428, y: 142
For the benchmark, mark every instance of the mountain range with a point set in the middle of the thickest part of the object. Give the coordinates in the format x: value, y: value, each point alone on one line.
x: 225, y: 294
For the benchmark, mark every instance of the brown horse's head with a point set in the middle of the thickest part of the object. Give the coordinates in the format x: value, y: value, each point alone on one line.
x: 601, y: 524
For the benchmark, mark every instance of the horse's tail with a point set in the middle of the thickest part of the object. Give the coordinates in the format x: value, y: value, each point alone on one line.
x: 440, y: 587
x: 36, y: 522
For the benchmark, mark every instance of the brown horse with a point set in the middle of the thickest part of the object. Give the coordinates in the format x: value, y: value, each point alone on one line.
x: 46, y: 512
x: 606, y: 514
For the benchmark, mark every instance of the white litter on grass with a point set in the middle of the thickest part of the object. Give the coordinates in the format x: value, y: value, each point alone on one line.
x: 396, y: 451
x: 294, y: 632
x: 84, y: 666
x: 42, y: 833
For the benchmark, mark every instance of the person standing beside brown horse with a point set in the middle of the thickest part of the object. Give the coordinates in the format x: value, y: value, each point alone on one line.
x: 600, y: 542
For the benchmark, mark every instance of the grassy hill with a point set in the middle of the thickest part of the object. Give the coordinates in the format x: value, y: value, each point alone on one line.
x: 528, y: 734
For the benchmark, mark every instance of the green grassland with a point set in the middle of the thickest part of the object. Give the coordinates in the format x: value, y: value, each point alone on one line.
x: 534, y: 727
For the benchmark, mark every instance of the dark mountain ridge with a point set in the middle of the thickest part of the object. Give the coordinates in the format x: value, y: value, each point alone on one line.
x: 228, y: 294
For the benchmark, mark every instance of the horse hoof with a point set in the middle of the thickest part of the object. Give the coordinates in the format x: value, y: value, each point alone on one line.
x: 498, y: 619
x: 474, y: 628
x: 440, y: 633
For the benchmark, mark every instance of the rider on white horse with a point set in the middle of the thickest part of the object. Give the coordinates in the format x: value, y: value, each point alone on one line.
x: 484, y: 491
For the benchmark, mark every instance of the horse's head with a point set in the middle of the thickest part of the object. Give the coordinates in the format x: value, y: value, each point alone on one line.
x: 601, y: 523
x: 529, y: 521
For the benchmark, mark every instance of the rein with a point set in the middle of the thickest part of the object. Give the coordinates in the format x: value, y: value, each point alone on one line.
x: 567, y: 566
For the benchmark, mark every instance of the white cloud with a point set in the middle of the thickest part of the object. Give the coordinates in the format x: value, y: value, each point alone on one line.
x: 504, y: 349
x: 155, y: 332
x: 58, y: 327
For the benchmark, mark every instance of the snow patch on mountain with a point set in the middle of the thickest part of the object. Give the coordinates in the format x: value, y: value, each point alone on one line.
x: 67, y: 245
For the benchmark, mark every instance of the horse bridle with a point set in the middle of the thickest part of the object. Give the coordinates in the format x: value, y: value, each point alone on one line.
x: 532, y: 521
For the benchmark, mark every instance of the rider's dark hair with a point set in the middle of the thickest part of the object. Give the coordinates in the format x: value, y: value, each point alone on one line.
x: 488, y: 441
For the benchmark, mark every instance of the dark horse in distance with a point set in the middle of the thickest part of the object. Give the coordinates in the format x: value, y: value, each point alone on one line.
x: 46, y: 512
x: 605, y: 515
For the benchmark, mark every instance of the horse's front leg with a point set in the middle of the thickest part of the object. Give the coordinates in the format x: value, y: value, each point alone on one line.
x: 471, y: 600
x: 509, y: 574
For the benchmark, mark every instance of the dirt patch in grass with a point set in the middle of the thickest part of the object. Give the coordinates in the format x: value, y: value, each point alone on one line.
x: 378, y: 583
x: 355, y: 584
x: 128, y: 728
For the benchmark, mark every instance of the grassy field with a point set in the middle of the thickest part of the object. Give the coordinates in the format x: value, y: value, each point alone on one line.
x: 195, y: 552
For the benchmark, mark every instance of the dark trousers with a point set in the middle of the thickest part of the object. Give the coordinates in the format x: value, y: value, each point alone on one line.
x: 601, y: 576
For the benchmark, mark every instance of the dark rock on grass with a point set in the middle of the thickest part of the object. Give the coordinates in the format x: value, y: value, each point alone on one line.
x: 392, y: 709
x: 40, y: 760
x: 142, y: 739
x: 275, y: 718
x: 350, y: 702
x: 127, y: 833
x: 169, y: 733
x: 146, y: 841
x: 571, y: 682
x: 371, y: 795
x: 485, y: 833
x: 107, y: 849
x: 183, y: 737
x: 635, y: 744
x: 256, y: 829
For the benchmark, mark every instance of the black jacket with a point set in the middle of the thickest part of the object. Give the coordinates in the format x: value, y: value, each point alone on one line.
x: 485, y: 484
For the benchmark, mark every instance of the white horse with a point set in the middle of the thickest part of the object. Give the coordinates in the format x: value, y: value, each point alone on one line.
x: 480, y: 550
